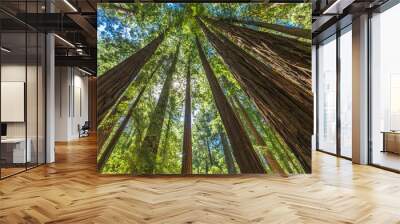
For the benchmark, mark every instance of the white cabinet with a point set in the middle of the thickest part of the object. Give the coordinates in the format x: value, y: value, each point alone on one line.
x: 19, y: 155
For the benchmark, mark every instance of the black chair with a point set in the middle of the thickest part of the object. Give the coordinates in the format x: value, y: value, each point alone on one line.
x: 84, y: 130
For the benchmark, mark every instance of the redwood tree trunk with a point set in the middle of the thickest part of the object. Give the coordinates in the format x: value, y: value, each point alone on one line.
x: 113, y: 83
x: 281, y: 53
x: 106, y: 126
x: 207, y: 143
x: 164, y: 150
x: 285, y: 152
x: 230, y: 164
x: 187, y: 134
x: 293, y: 31
x: 282, y: 77
x: 267, y: 152
x: 289, y: 110
x: 106, y: 153
x: 281, y: 147
x: 246, y: 158
x: 149, y: 148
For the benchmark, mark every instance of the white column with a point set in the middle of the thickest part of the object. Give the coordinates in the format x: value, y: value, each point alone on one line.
x: 63, y: 98
x: 50, y: 92
x: 314, y: 85
x: 360, y: 90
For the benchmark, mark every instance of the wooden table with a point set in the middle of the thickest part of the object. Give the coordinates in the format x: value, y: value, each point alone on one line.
x: 391, y: 141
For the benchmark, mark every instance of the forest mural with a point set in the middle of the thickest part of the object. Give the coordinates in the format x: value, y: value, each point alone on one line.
x: 204, y: 88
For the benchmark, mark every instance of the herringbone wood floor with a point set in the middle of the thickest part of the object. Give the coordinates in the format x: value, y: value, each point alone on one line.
x: 70, y: 191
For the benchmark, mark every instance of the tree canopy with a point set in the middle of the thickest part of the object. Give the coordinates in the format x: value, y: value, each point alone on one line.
x: 142, y: 132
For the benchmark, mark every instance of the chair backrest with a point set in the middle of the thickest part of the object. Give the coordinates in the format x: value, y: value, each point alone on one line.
x: 86, y: 125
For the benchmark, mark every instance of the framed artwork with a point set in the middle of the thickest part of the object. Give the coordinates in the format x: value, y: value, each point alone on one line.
x: 204, y: 88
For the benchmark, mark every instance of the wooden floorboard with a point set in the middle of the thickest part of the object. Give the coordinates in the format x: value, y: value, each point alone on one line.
x: 70, y: 191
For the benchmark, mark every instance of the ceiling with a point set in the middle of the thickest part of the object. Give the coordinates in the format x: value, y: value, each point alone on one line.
x: 332, y: 15
x: 73, y: 21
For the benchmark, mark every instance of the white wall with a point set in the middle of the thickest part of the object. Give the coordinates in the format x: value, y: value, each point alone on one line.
x: 62, y: 81
x: 80, y: 111
x: 71, y: 102
x: 17, y: 73
x: 33, y: 126
x: 12, y: 73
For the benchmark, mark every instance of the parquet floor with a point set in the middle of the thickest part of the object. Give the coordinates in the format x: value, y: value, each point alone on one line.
x: 70, y: 191
x: 10, y: 171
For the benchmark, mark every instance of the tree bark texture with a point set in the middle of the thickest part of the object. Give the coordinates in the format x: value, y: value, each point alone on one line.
x: 295, y: 68
x: 106, y: 153
x: 301, y: 92
x: 289, y: 111
x: 246, y: 158
x: 110, y: 119
x: 293, y: 31
x: 112, y: 84
x: 187, y: 133
x: 300, y: 53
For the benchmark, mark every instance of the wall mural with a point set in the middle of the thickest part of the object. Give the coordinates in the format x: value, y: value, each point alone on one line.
x: 204, y: 88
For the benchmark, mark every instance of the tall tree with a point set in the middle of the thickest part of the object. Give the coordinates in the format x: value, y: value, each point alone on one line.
x: 285, y: 152
x: 293, y: 31
x: 187, y: 134
x: 112, y: 84
x: 230, y: 164
x: 289, y: 161
x: 279, y: 52
x: 207, y: 166
x: 105, y: 154
x: 280, y: 149
x: 149, y: 148
x: 163, y: 154
x: 287, y: 109
x: 110, y: 119
x: 300, y: 90
x: 243, y: 150
x: 267, y: 152
x: 285, y: 44
x: 207, y: 144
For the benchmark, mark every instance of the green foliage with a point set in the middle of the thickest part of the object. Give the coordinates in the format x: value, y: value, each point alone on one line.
x: 146, y: 22
x: 111, y: 53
